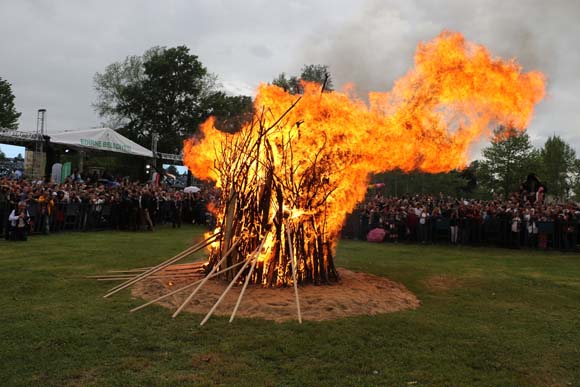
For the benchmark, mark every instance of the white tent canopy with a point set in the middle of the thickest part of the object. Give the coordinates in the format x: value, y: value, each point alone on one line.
x: 105, y: 139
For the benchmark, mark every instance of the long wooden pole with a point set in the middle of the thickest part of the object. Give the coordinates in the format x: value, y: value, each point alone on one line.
x: 215, y: 267
x: 167, y: 271
x: 160, y: 267
x: 291, y: 250
x: 175, y: 258
x: 248, y: 277
x: 213, y: 308
x: 183, y: 288
x: 165, y: 276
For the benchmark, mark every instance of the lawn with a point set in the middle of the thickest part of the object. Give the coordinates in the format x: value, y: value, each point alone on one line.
x: 489, y: 317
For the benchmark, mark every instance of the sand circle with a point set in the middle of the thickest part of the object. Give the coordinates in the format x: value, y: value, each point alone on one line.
x: 356, y: 294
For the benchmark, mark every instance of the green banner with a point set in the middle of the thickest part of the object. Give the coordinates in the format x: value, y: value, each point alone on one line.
x: 65, y: 171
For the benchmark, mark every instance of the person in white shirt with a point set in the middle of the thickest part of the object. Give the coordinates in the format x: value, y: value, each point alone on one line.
x: 19, y: 219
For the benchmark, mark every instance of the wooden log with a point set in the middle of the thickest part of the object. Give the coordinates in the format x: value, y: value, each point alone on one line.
x: 255, y: 260
x: 175, y: 258
x: 192, y: 275
x: 213, y: 270
x: 230, y: 212
x: 291, y: 251
x: 213, y: 308
x: 180, y: 289
x: 249, y: 275
x: 161, y: 266
x: 166, y: 272
x: 158, y: 268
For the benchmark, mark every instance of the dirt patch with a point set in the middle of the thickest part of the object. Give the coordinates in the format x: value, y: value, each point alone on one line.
x: 442, y: 283
x: 356, y: 294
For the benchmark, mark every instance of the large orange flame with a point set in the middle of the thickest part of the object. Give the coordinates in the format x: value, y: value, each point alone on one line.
x: 454, y: 94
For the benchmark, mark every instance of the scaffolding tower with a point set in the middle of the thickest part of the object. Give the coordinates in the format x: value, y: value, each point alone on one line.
x: 39, y: 157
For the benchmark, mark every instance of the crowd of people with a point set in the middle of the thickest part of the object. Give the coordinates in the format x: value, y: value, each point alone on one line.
x: 522, y: 220
x: 525, y: 219
x: 91, y: 203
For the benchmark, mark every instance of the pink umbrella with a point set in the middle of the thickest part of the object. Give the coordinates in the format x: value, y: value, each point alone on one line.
x: 376, y: 235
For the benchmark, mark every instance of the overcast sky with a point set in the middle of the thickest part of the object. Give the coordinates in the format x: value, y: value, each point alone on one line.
x: 51, y: 49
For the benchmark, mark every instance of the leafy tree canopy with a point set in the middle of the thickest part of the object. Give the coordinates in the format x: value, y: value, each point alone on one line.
x: 507, y: 161
x: 8, y: 114
x: 313, y: 73
x: 166, y: 91
x: 558, y: 164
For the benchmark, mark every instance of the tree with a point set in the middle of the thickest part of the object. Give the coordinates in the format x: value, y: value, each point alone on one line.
x: 558, y: 162
x: 111, y: 84
x: 2, y: 155
x: 231, y: 112
x: 507, y: 161
x: 8, y: 114
x: 319, y: 74
x: 400, y: 183
x: 166, y: 91
x: 167, y: 101
x: 312, y: 73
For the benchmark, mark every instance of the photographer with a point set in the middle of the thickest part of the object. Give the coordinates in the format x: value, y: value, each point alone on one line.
x: 19, y: 220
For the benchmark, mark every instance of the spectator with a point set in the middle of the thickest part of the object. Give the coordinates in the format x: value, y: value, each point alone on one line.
x: 19, y: 219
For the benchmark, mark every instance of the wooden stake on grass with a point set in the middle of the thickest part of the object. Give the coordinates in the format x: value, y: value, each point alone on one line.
x: 253, y: 256
x: 213, y: 308
x: 175, y: 258
x: 213, y: 270
x: 182, y: 288
x: 161, y: 266
x: 291, y: 250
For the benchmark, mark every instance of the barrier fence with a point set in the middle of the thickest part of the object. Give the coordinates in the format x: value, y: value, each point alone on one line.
x: 563, y: 235
x: 95, y: 217
x: 553, y: 234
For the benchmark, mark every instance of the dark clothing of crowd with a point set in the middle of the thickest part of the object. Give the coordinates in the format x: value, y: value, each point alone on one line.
x: 520, y: 221
x: 119, y: 205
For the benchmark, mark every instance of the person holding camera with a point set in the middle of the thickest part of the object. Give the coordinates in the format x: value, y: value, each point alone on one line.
x: 19, y: 220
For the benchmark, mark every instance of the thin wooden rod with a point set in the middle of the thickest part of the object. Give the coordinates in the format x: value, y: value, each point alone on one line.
x: 183, y: 288
x: 215, y: 267
x: 189, y: 275
x: 159, y: 267
x: 291, y: 249
x: 213, y: 308
x: 175, y: 258
x: 256, y: 252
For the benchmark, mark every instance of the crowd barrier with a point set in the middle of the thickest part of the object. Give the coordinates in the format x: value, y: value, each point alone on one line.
x: 96, y: 217
x: 493, y: 232
x: 562, y: 235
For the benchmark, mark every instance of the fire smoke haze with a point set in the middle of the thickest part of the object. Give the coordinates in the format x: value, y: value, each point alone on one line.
x: 376, y: 46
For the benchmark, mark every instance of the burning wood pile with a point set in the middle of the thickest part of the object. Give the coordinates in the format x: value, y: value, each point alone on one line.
x: 300, y: 164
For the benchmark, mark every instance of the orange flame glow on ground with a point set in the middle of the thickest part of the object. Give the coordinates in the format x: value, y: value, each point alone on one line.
x: 453, y: 96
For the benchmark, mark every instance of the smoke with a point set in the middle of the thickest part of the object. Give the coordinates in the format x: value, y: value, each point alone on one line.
x: 376, y: 46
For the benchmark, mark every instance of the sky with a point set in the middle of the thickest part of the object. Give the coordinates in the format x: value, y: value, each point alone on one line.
x: 50, y: 50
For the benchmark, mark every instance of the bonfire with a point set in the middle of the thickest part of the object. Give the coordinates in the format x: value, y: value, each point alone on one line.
x: 300, y: 164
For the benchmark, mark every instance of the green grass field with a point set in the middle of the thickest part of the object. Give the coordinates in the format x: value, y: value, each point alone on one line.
x: 489, y: 317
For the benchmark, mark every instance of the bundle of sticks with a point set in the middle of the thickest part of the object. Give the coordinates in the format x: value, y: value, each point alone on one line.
x: 169, y: 270
x: 265, y: 190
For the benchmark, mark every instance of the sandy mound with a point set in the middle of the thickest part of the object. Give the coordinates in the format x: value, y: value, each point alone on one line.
x: 357, y: 294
